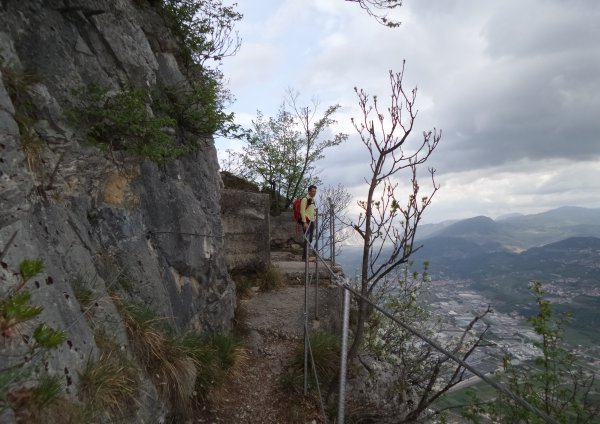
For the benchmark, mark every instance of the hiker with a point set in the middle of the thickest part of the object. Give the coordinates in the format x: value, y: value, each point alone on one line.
x: 307, y: 216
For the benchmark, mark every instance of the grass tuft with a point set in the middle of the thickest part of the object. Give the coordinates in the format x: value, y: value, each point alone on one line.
x: 185, y: 367
x: 109, y: 386
x: 84, y: 292
x: 326, y: 352
x: 216, y: 357
x: 270, y: 279
x: 161, y: 355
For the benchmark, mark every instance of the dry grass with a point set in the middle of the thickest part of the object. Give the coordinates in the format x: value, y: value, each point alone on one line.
x: 163, y: 357
x: 18, y: 85
x: 62, y: 411
x: 184, y: 368
x: 33, y: 147
x: 270, y: 279
x: 109, y: 386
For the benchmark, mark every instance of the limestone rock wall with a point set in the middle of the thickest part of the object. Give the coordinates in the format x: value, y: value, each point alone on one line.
x: 246, y: 227
x: 158, y: 228
x: 284, y: 233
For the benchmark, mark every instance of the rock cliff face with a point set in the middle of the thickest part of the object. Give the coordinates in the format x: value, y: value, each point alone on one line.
x: 155, y: 228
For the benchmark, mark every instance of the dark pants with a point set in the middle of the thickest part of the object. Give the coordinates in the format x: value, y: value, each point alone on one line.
x: 309, y: 235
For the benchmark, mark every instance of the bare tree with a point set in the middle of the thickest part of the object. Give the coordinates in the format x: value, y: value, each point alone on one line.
x: 377, y: 9
x: 232, y: 163
x: 332, y: 199
x: 387, y: 227
x: 422, y: 375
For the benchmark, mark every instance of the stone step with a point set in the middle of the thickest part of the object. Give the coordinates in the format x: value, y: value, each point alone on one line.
x: 294, y: 270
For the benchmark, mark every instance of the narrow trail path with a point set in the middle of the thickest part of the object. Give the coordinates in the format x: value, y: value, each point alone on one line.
x: 274, y: 325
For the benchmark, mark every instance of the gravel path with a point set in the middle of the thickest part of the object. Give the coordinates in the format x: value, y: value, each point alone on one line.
x: 274, y: 322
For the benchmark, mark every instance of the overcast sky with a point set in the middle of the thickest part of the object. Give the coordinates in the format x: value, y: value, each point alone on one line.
x: 513, y: 84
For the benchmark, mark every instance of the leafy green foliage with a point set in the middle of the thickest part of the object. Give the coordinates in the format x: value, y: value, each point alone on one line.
x: 30, y: 268
x: 16, y: 308
x: 47, y: 337
x: 123, y: 121
x: 205, y: 28
x: 556, y: 383
x: 28, y: 396
x: 198, y: 107
x: 282, y: 151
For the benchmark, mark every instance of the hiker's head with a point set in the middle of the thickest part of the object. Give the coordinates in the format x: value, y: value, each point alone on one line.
x: 312, y: 190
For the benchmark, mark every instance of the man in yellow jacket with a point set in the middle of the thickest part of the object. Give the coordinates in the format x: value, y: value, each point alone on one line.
x: 307, y: 213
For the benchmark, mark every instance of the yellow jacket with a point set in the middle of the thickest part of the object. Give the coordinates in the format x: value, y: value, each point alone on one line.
x: 307, y: 208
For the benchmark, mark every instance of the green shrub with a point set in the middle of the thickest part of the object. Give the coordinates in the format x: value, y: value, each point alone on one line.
x: 204, y: 27
x: 556, y: 382
x: 325, y: 349
x: 124, y: 121
x: 16, y: 309
x: 25, y: 388
x: 198, y: 107
x: 215, y: 358
x: 30, y: 268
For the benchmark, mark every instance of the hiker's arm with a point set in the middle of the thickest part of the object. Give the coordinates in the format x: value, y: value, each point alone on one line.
x: 303, y: 210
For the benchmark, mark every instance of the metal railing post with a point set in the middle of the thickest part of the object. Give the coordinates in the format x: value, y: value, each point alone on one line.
x: 306, y: 312
x: 344, y: 358
x: 317, y: 235
x: 332, y: 211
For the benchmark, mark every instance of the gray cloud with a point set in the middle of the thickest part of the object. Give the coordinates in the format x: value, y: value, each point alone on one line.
x: 514, y: 85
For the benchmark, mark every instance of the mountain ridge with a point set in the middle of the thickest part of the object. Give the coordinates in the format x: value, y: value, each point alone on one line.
x: 521, y: 232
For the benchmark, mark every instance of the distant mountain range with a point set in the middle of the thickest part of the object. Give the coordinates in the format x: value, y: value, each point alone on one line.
x: 559, y: 247
x: 560, y: 243
x: 518, y: 232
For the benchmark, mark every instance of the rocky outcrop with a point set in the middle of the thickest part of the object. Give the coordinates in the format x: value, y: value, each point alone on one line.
x: 246, y: 227
x: 156, y: 229
x: 285, y: 233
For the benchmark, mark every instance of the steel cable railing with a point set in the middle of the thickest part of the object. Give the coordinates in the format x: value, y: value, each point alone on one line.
x: 343, y: 283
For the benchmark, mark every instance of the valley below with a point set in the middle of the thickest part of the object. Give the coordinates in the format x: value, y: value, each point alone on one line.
x: 479, y: 262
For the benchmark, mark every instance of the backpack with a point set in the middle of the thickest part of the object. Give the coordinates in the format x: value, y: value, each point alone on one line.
x: 297, y: 202
x: 297, y: 214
